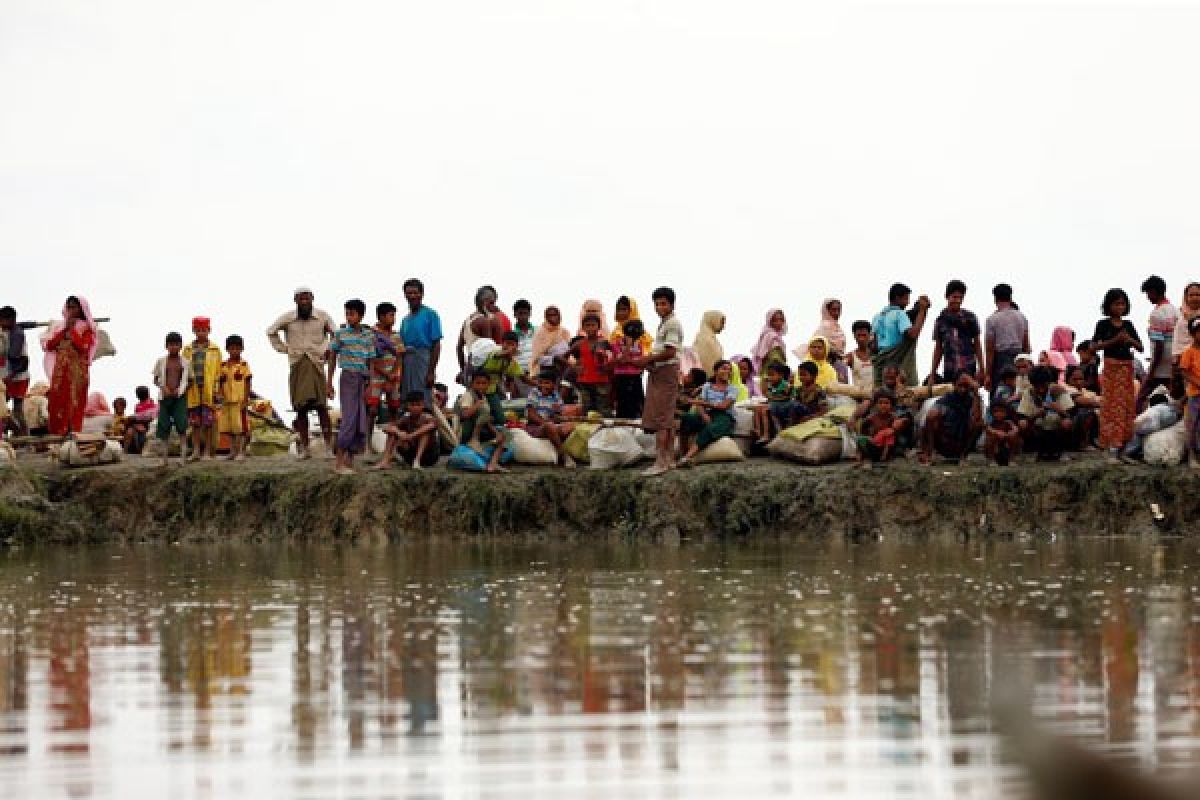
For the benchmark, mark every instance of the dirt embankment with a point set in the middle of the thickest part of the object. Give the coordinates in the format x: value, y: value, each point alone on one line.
x: 279, y: 499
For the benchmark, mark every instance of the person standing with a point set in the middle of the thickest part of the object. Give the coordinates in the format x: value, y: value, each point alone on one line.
x: 70, y: 346
x: 487, y: 321
x: 421, y: 330
x: 203, y: 390
x: 1006, y: 334
x: 662, y: 392
x: 896, y: 334
x: 1116, y: 337
x: 957, y: 349
x: 14, y: 365
x: 1161, y: 334
x: 353, y: 347
x: 305, y: 341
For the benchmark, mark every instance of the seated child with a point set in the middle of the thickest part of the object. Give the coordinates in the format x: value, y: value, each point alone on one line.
x: 776, y: 413
x: 413, y: 436
x: 1003, y: 436
x: 691, y: 384
x: 808, y: 398
x: 1005, y: 392
x: 476, y: 421
x: 877, y: 435
x: 1045, y: 414
x: 116, y: 428
x: 1085, y: 416
x: 544, y: 416
x: 137, y: 430
x: 628, y: 391
x: 711, y: 417
x: 500, y: 368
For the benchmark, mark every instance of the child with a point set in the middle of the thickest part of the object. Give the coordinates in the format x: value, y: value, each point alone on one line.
x: 235, y: 397
x: 1085, y: 416
x: 1005, y: 391
x: 1116, y: 338
x: 1023, y: 364
x: 1189, y: 368
x: 172, y: 375
x: 859, y: 359
x: 543, y: 414
x: 476, y: 421
x: 808, y: 397
x: 144, y: 413
x: 1003, y: 436
x: 776, y: 413
x: 501, y: 367
x: 204, y: 362
x: 525, y: 331
x: 592, y: 355
x: 1045, y: 414
x: 877, y: 437
x: 414, y: 436
x: 353, y: 346
x: 387, y: 369
x: 689, y: 390
x: 116, y: 428
x: 1090, y: 365
x: 627, y: 375
x: 711, y: 417
x: 14, y: 365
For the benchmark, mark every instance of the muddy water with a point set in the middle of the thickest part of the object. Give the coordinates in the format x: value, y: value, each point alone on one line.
x: 499, y: 670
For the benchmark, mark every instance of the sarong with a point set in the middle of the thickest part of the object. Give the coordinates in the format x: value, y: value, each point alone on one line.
x: 662, y: 389
x: 356, y: 422
x: 416, y: 370
x: 1119, y: 409
x: 903, y: 357
x: 306, y: 385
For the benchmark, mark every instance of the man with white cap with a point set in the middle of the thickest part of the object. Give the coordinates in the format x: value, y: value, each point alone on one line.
x: 305, y: 340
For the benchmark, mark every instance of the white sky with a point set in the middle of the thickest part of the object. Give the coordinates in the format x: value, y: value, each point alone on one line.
x: 171, y: 159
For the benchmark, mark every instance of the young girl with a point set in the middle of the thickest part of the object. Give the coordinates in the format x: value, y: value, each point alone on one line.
x: 711, y: 416
x: 1003, y: 437
x: 770, y: 347
x: 1116, y: 338
x: 628, y: 393
x: 877, y: 441
x: 777, y: 411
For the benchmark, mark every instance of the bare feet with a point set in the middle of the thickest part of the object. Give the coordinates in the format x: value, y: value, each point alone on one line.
x: 240, y: 457
x: 343, y: 470
x: 656, y: 470
x: 495, y: 469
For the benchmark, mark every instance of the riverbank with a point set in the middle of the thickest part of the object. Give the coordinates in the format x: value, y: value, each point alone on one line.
x: 282, y: 498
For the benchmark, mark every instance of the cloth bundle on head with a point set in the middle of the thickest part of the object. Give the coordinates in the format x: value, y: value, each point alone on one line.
x: 706, y: 346
x: 768, y: 340
x: 1062, y: 341
x: 830, y: 328
x: 88, y: 322
x: 593, y: 307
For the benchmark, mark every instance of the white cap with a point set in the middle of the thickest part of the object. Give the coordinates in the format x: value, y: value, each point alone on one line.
x: 302, y: 290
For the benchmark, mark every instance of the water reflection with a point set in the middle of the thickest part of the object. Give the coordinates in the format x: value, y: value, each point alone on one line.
x: 585, y: 670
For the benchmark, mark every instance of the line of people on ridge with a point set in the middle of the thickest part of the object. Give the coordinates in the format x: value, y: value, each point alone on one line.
x: 1069, y: 396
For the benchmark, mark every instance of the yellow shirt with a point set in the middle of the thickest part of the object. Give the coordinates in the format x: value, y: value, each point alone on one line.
x: 234, y: 382
x: 202, y: 388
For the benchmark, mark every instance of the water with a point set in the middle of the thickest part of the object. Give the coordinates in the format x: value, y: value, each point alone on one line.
x: 575, y: 670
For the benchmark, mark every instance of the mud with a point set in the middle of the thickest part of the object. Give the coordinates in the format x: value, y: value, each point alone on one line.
x: 278, y: 499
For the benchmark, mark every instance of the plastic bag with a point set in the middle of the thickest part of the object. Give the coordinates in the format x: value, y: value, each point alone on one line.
x: 530, y: 450
x: 480, y: 350
x: 611, y: 448
x: 85, y: 453
x: 1166, y: 447
x: 576, y: 445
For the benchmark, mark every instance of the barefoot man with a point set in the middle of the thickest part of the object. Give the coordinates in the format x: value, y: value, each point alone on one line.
x: 305, y: 340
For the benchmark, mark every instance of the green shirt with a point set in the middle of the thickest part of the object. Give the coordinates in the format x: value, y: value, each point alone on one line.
x: 499, y: 366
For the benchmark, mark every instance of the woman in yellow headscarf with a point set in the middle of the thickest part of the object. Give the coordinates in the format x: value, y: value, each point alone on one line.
x: 818, y: 353
x: 627, y: 311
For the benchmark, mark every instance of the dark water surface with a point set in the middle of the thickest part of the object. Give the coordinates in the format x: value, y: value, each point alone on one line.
x: 573, y: 670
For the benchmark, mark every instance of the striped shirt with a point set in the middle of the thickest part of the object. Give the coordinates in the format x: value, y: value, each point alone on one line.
x: 355, y: 347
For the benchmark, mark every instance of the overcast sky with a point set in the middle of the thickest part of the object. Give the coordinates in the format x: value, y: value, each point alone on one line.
x: 171, y: 159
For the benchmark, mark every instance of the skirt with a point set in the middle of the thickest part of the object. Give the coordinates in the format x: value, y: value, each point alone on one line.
x: 662, y: 390
x: 306, y: 385
x: 1119, y: 409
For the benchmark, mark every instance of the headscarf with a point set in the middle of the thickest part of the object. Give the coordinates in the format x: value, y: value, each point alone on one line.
x: 1058, y: 361
x: 707, y: 346
x: 647, y: 341
x: 88, y: 322
x: 735, y: 380
x: 826, y: 375
x: 596, y: 308
x: 546, y: 336
x: 830, y: 328
x: 1062, y: 341
x: 768, y: 340
x: 748, y: 380
x: 97, y: 406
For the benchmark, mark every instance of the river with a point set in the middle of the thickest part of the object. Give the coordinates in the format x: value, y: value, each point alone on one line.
x: 778, y: 667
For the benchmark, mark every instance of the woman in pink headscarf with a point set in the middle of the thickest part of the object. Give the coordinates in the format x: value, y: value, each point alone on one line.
x: 70, y: 346
x: 831, y: 327
x: 1055, y: 359
x: 1062, y: 341
x: 770, y: 345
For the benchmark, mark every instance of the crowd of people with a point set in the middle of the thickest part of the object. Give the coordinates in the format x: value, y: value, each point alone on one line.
x: 986, y: 389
